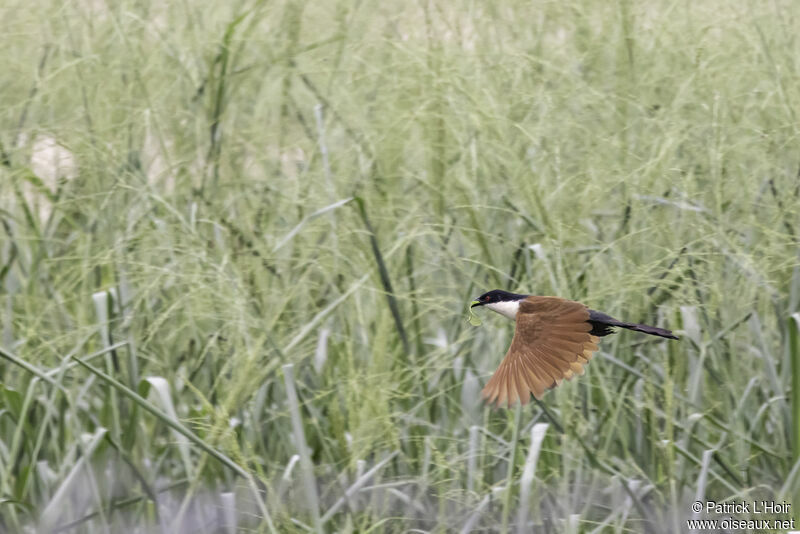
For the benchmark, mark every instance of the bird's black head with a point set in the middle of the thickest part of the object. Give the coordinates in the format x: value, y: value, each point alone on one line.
x: 496, y: 295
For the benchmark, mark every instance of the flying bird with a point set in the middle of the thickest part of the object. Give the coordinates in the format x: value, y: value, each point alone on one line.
x: 554, y: 338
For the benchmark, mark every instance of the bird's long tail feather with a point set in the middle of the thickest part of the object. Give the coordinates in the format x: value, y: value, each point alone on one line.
x: 645, y: 329
x: 602, y: 323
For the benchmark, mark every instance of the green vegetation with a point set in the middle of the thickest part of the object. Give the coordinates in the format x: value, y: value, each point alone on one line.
x: 238, y: 240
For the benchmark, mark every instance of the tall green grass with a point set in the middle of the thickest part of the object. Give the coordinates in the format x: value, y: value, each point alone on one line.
x: 238, y: 241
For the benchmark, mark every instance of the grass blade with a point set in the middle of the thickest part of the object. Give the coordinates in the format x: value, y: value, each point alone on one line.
x: 228, y: 505
x: 794, y: 353
x: 526, y: 481
x: 702, y: 478
x: 472, y: 457
x: 384, y: 276
x: 512, y: 455
x: 161, y: 387
x: 309, y: 484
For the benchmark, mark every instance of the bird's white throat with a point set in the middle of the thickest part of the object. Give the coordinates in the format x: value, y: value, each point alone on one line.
x: 508, y: 308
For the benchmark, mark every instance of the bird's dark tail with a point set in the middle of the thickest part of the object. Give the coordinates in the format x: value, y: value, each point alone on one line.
x: 602, y: 326
x: 645, y: 329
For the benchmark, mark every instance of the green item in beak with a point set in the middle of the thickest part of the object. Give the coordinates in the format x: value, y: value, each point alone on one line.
x: 473, y: 319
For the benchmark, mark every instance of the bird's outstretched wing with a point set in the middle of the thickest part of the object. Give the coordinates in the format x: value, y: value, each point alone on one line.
x: 551, y: 342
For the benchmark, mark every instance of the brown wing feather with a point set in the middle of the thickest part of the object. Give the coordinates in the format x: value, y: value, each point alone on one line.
x: 551, y: 343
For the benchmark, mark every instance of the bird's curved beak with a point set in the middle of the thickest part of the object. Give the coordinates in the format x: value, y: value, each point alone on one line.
x: 474, y: 303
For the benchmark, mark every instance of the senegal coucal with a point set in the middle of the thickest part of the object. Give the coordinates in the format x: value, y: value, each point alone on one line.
x: 553, y: 340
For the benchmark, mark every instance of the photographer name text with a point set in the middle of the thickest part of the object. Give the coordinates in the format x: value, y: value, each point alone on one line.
x: 746, y: 507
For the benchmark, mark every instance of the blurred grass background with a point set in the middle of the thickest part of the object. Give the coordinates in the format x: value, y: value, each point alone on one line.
x: 258, y: 225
